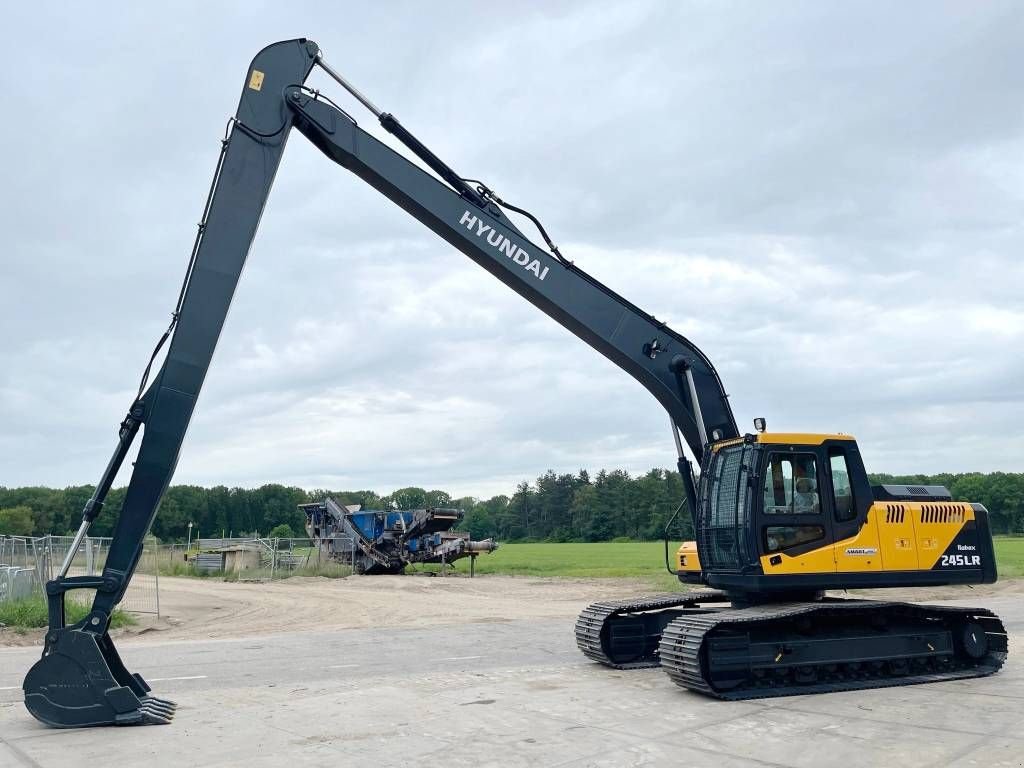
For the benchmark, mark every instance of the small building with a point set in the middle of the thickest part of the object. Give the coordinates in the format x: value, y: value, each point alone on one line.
x: 241, y: 558
x: 229, y: 558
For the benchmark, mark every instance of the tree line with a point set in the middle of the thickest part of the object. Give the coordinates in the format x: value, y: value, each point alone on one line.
x: 556, y: 507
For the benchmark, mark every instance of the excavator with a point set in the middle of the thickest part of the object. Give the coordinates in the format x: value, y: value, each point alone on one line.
x: 779, y: 518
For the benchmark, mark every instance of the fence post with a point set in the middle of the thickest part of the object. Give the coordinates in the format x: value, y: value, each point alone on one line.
x: 156, y: 575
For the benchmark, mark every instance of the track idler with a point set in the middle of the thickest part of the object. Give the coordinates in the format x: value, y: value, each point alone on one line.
x: 80, y: 681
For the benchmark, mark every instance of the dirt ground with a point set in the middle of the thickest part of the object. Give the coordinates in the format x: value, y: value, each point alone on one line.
x: 211, y: 608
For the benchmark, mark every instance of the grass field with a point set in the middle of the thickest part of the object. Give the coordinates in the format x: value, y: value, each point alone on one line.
x: 644, y: 560
x: 1010, y: 557
x: 31, y: 613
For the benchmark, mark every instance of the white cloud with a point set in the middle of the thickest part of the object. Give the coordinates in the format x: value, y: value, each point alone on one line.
x: 828, y: 207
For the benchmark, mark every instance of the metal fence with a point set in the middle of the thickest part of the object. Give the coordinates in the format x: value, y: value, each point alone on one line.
x: 247, y: 558
x: 27, y: 563
x: 15, y: 583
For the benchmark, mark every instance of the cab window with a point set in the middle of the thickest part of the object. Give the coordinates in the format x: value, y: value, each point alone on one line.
x: 841, y: 486
x: 785, y: 536
x: 790, y: 485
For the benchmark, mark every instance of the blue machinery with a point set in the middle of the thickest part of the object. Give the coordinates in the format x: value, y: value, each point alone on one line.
x: 376, y: 541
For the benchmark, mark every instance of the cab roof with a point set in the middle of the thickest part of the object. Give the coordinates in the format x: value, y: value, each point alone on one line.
x: 785, y: 438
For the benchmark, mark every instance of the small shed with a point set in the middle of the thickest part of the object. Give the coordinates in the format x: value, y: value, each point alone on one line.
x: 240, y: 558
x: 229, y: 558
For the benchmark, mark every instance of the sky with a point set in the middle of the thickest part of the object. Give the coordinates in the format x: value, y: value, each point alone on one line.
x: 825, y: 198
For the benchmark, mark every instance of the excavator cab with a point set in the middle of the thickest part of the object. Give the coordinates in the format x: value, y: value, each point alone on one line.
x: 770, y: 496
x: 795, y: 514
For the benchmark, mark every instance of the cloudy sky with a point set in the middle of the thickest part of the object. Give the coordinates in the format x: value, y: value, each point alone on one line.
x: 826, y: 198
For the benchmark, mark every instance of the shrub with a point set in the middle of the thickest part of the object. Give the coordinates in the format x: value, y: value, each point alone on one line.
x: 282, y: 531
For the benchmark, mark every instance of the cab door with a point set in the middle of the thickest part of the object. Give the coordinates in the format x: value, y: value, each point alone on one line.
x: 795, y: 527
x: 857, y: 546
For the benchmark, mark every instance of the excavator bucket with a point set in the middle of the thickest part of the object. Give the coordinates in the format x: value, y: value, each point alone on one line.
x: 80, y: 681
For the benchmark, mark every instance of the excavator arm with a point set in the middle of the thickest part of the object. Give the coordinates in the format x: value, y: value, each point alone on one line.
x: 80, y: 680
x: 647, y: 349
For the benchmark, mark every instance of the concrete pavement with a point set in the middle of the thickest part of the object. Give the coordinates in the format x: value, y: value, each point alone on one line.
x: 503, y: 694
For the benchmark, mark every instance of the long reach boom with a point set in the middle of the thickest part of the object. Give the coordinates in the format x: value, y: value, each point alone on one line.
x: 80, y: 680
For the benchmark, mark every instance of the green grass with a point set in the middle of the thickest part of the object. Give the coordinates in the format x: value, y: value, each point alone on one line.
x: 327, y: 570
x: 31, y: 613
x: 1010, y: 557
x: 606, y: 559
x: 643, y: 560
x: 178, y: 568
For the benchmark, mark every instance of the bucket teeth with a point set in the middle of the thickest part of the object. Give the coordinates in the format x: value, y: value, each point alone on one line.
x: 156, y: 711
x: 151, y: 718
x: 148, y: 710
x: 160, y: 703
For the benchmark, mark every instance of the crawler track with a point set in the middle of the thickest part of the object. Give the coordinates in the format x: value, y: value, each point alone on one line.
x: 624, y: 634
x: 835, y: 645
